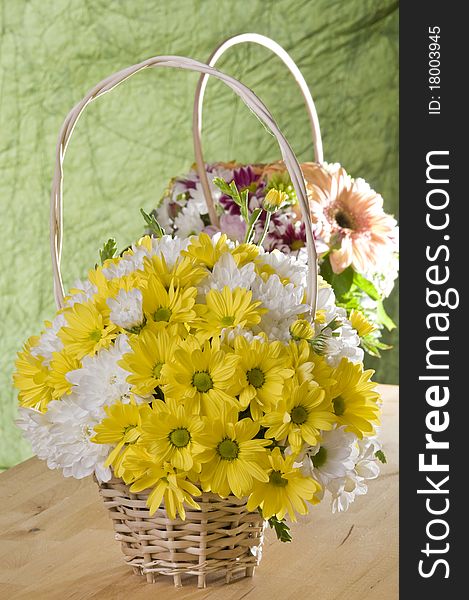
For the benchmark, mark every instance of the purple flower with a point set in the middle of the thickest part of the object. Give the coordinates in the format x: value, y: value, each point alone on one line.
x: 245, y: 179
x: 287, y: 235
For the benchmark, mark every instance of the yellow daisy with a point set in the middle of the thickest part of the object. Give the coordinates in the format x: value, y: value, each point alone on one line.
x: 62, y: 363
x: 173, y: 436
x: 87, y: 330
x: 301, y: 361
x: 233, y: 458
x: 322, y: 372
x: 354, y: 400
x: 286, y: 490
x: 301, y: 329
x: 361, y: 324
x: 226, y: 310
x: 151, y: 350
x: 203, y: 377
x: 120, y: 427
x: 205, y: 250
x: 168, y: 485
x: 184, y: 273
x: 244, y: 254
x: 172, y: 306
x: 263, y: 369
x: 300, y: 416
x: 31, y: 378
x: 103, y: 289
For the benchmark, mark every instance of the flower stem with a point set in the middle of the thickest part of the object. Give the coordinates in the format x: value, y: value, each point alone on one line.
x: 266, y: 228
x: 251, y: 223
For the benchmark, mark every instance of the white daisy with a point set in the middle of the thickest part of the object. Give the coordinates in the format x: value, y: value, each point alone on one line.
x: 344, y: 345
x: 386, y: 274
x: 230, y: 334
x: 354, y: 483
x: 101, y: 381
x: 188, y: 221
x: 367, y: 465
x: 344, y: 490
x: 284, y: 303
x: 125, y: 266
x: 197, y: 195
x: 333, y: 458
x: 326, y: 304
x: 81, y: 291
x: 49, y: 342
x: 226, y: 272
x: 35, y: 427
x: 126, y: 308
x: 286, y: 266
x: 71, y: 429
x: 169, y: 248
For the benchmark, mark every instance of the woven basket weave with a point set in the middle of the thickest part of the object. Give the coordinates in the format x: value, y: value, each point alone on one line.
x: 222, y: 537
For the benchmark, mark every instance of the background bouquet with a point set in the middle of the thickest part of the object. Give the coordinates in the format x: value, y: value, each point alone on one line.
x: 356, y: 240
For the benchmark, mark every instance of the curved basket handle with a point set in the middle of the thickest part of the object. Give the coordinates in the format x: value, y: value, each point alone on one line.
x: 251, y: 101
x: 270, y: 44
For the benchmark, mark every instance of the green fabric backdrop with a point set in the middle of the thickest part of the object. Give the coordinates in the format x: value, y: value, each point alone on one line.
x: 133, y: 140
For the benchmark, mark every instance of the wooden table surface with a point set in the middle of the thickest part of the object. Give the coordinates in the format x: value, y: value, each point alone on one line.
x: 57, y: 543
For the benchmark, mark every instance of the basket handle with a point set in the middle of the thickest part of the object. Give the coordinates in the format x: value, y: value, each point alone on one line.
x: 251, y: 101
x: 270, y: 44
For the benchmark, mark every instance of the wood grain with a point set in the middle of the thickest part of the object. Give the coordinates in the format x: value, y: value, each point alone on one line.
x: 57, y: 543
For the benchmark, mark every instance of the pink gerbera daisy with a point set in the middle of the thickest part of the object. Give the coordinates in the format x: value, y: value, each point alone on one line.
x: 349, y: 218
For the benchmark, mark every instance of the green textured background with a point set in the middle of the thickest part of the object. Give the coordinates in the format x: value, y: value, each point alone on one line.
x: 133, y: 140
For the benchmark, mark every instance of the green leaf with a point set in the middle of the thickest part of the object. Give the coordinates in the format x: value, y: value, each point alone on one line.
x: 366, y: 286
x: 243, y: 203
x: 373, y: 345
x: 222, y: 186
x: 153, y: 225
x: 256, y: 213
x: 109, y: 250
x: 384, y: 318
x: 281, y: 529
x: 381, y: 456
x: 341, y: 282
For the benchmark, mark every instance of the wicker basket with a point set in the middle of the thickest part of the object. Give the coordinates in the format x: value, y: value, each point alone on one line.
x: 222, y: 537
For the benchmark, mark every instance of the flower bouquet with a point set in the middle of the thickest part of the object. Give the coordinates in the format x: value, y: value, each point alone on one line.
x: 209, y: 385
x: 357, y: 242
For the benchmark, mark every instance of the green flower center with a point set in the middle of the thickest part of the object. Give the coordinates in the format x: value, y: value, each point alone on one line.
x: 297, y: 244
x: 299, y: 415
x: 228, y: 449
x: 256, y: 377
x: 339, y: 406
x: 130, y: 434
x: 275, y: 478
x: 96, y: 335
x: 202, y: 381
x: 227, y: 321
x: 179, y: 437
x: 320, y: 457
x: 157, y: 370
x: 162, y: 314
